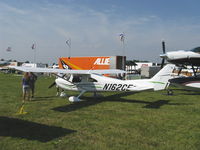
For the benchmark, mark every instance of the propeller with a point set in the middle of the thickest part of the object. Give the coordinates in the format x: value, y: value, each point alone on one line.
x: 163, y: 59
x: 60, y: 76
x: 53, y: 84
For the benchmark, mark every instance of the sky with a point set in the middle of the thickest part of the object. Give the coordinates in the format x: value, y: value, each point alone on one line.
x: 94, y: 27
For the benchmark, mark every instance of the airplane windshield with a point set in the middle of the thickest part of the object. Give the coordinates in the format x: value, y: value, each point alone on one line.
x: 197, y: 50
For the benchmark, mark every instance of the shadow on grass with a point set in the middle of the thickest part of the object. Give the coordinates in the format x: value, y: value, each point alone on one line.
x: 29, y: 130
x: 157, y: 104
x: 89, y: 102
x: 77, y: 105
x: 192, y: 93
x: 43, y: 98
x: 113, y: 98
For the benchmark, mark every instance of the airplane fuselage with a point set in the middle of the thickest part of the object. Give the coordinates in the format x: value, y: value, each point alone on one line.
x: 103, y: 83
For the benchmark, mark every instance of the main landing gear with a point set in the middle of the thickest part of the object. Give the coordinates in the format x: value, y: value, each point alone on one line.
x: 170, y: 92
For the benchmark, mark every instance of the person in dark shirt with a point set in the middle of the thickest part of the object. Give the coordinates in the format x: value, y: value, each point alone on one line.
x: 33, y: 78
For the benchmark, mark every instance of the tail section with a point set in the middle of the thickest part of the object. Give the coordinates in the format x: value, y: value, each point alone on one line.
x: 160, y: 80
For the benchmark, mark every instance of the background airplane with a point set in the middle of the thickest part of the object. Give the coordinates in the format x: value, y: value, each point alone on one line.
x: 183, y: 58
x: 94, y: 81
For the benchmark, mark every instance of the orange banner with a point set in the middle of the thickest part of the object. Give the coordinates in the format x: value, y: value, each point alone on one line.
x: 84, y: 63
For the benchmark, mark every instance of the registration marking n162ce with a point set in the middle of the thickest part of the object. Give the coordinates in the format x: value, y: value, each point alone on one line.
x: 117, y: 87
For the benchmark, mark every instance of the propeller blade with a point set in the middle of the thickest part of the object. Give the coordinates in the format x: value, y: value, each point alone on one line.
x: 163, y: 60
x: 53, y: 84
x: 162, y: 64
x: 163, y: 47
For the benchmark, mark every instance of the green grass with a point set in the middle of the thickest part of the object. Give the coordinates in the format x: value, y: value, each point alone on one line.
x: 140, y: 121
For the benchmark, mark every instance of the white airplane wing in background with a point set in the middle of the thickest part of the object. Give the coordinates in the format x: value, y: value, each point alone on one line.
x: 65, y: 71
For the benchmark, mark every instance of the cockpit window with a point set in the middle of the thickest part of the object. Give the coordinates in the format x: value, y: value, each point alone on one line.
x: 196, y: 50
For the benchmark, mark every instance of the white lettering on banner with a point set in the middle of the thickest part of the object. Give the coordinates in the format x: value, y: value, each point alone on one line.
x: 102, y: 61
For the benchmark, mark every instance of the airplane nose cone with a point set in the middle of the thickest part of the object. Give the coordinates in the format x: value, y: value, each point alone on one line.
x: 163, y: 55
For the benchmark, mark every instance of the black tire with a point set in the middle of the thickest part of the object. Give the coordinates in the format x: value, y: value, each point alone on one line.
x: 170, y: 92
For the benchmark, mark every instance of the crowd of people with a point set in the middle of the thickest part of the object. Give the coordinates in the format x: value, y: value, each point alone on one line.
x: 28, y: 85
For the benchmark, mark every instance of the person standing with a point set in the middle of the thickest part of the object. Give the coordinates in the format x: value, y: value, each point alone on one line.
x: 33, y: 79
x: 26, y: 86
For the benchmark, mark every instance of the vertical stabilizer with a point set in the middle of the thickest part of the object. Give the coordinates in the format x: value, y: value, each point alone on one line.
x: 160, y: 80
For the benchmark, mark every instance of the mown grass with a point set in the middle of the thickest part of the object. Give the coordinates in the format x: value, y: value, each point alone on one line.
x: 140, y: 121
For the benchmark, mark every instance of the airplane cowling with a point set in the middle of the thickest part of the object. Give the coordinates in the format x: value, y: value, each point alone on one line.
x: 74, y: 99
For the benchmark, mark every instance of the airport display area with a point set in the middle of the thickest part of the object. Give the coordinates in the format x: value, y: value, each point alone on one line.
x: 116, y: 119
x: 99, y: 75
x: 98, y: 107
x: 147, y: 120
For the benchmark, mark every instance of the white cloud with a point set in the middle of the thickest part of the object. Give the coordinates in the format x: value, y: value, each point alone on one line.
x: 11, y: 9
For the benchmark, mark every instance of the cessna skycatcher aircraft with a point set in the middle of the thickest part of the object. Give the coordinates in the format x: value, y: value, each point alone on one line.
x: 94, y: 81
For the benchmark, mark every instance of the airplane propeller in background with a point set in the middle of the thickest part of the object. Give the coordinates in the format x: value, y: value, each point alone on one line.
x: 164, y: 52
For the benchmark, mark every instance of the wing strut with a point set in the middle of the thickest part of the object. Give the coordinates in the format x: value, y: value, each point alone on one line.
x: 194, y: 71
x: 82, y: 92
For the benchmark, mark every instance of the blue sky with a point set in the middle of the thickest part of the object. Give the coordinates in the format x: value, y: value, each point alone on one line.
x: 94, y: 27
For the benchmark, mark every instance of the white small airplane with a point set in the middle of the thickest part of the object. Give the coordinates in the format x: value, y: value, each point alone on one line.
x: 183, y: 57
x: 94, y: 81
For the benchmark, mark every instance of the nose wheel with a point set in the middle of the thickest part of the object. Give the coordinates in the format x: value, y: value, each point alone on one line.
x: 76, y: 99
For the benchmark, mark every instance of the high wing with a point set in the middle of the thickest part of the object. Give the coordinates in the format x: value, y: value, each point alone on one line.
x: 65, y: 71
x: 183, y: 57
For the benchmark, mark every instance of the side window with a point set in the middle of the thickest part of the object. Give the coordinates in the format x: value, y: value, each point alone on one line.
x: 92, y: 80
x: 76, y: 79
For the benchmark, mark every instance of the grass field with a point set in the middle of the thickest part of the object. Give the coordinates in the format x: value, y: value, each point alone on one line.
x: 140, y: 121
